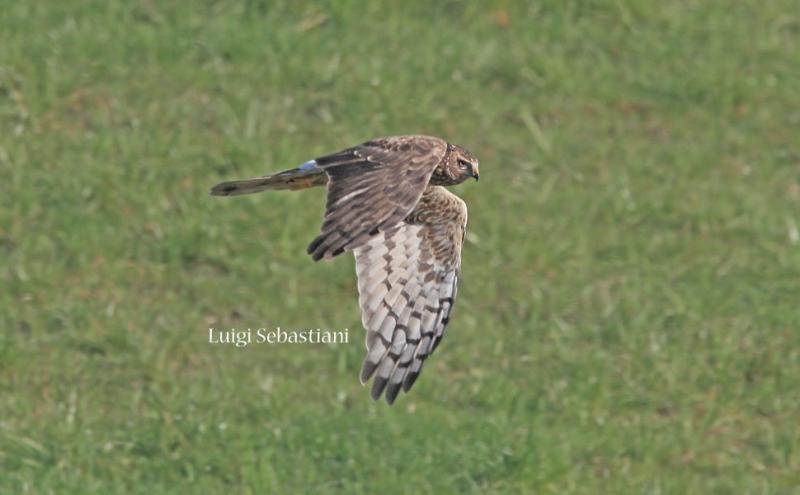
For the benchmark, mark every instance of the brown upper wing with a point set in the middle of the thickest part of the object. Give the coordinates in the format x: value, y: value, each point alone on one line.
x: 372, y: 187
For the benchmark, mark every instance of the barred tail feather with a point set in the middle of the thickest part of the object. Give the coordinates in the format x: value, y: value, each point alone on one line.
x: 305, y: 176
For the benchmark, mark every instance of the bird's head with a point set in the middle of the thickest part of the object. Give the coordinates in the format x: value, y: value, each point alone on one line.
x: 457, y: 166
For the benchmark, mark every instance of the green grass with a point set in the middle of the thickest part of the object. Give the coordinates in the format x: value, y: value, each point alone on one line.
x: 629, y: 313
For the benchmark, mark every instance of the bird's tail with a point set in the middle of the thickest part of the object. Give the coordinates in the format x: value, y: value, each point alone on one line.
x: 302, y: 177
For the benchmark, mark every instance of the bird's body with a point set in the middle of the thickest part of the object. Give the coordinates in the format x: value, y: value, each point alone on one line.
x: 386, y: 203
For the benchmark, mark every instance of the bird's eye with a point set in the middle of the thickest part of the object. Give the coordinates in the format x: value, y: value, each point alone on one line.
x: 463, y: 164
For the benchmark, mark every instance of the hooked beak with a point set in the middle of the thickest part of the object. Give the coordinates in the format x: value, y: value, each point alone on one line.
x: 476, y: 174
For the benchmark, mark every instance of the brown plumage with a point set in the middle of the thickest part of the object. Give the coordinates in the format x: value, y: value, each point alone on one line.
x: 386, y: 203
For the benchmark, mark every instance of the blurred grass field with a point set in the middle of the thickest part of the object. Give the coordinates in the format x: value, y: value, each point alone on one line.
x: 629, y: 308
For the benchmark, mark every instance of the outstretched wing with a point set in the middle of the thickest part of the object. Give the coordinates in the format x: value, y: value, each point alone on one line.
x: 373, y: 187
x: 407, y: 284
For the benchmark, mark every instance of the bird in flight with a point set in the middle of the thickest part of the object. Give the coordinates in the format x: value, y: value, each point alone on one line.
x: 386, y: 203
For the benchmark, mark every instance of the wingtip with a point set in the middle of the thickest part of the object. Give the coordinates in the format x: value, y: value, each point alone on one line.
x: 318, y: 249
x: 367, y: 369
x: 391, y: 393
x: 409, y: 381
x: 378, y: 384
x: 312, y: 248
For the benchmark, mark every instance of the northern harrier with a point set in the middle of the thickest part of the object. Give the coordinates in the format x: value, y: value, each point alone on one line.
x: 386, y: 203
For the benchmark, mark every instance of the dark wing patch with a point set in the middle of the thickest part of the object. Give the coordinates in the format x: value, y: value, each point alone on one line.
x: 373, y: 187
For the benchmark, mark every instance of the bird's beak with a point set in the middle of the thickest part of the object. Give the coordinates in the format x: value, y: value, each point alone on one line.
x: 476, y: 174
